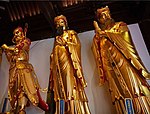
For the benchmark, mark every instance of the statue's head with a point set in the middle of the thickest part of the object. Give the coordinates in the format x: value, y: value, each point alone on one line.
x: 18, y: 35
x: 103, y: 14
x: 61, y: 21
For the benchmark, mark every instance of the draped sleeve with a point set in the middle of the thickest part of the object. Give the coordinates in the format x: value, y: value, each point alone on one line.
x: 74, y: 47
x: 121, y: 38
x: 96, y: 48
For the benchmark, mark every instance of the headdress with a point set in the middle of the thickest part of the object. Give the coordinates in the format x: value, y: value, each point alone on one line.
x: 60, y: 17
x: 17, y: 29
x: 99, y: 11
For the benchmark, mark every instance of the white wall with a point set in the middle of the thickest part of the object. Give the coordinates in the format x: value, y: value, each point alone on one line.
x: 99, y: 98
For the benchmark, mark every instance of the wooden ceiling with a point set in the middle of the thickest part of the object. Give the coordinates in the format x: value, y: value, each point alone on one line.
x: 80, y: 15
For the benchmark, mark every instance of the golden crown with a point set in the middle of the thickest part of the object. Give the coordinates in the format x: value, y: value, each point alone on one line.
x: 60, y: 17
x: 99, y: 11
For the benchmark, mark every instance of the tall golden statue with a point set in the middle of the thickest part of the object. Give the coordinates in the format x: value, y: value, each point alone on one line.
x: 23, y: 83
x: 67, y: 78
x: 118, y: 63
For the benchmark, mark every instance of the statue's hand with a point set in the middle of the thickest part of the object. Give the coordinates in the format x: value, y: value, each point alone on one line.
x: 97, y: 28
x: 4, y: 46
x: 101, y: 33
x: 60, y: 40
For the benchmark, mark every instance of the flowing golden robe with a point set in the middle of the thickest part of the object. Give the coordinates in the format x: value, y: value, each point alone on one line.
x: 66, y: 74
x: 119, y: 63
x: 22, y: 79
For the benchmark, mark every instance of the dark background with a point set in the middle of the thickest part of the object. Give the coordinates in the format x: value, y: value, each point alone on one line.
x: 80, y: 15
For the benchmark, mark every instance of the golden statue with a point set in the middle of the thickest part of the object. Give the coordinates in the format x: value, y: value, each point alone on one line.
x: 23, y: 83
x: 67, y: 78
x: 118, y: 63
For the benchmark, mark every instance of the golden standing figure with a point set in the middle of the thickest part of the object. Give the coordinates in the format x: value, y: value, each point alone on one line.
x: 119, y: 64
x: 23, y: 83
x: 67, y: 78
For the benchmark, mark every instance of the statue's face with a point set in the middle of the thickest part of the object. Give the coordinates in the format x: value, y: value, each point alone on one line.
x: 60, y: 23
x: 18, y: 35
x: 105, y: 15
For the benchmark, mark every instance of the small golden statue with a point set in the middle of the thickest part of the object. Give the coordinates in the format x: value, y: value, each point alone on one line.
x: 67, y: 78
x: 119, y: 64
x: 23, y: 83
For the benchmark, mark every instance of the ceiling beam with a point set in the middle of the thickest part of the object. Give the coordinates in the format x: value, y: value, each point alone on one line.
x: 49, y: 13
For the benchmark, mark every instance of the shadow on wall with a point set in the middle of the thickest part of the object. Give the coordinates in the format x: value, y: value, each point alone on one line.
x: 144, y: 26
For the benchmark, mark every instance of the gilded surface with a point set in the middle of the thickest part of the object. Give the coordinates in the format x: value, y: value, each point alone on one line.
x: 23, y: 83
x: 67, y: 78
x: 119, y: 63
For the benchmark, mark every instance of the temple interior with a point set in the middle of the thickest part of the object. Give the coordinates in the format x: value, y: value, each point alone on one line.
x: 80, y: 14
x: 42, y: 54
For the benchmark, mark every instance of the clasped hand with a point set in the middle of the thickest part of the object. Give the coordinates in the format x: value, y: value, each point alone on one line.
x: 4, y: 46
x: 60, y: 40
